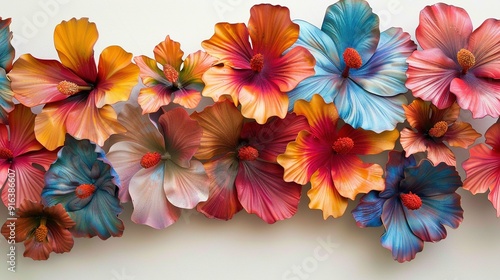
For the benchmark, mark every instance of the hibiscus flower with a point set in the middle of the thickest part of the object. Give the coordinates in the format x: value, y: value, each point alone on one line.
x: 6, y: 57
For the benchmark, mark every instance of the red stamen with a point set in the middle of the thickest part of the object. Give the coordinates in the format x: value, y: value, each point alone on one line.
x: 85, y: 190
x: 411, y: 200
x: 150, y: 159
x: 343, y: 145
x: 248, y: 153
x: 439, y: 129
x: 6, y: 153
x: 352, y: 59
x: 257, y: 62
x: 170, y: 73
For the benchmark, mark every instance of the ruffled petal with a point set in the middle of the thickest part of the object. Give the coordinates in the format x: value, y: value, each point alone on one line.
x: 427, y: 180
x: 439, y: 152
x: 445, y: 27
x: 149, y: 72
x: 262, y: 191
x: 367, y: 142
x: 385, y: 73
x: 461, y: 134
x: 151, y: 206
x: 430, y: 73
x: 169, y: 52
x: 481, y: 169
x: 290, y: 69
x: 324, y: 195
x: 116, y: 78
x: 22, y: 136
x: 418, y: 114
x: 413, y: 142
x: 322, y: 117
x: 6, y: 49
x: 185, y: 187
x: 492, y: 136
x: 6, y: 95
x: 395, y: 172
x: 223, y: 80
x: 182, y: 136
x: 479, y: 95
x: 38, y: 251
x: 74, y: 41
x: 154, y: 97
x: 398, y: 237
x: 484, y: 43
x: 494, y: 198
x: 369, y: 210
x: 222, y: 124
x: 361, y: 109
x: 223, y: 200
x: 60, y: 239
x: 325, y: 84
x: 352, y: 24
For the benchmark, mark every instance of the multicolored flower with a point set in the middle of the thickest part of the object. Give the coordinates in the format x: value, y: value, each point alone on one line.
x: 7, y: 54
x: 456, y: 63
x: 240, y: 158
x: 358, y: 68
x: 483, y: 167
x: 77, y: 94
x: 42, y: 229
x: 417, y: 202
x: 84, y: 183
x: 171, y: 83
x: 156, y: 165
x: 327, y: 156
x: 23, y: 160
x: 432, y: 127
x: 257, y: 73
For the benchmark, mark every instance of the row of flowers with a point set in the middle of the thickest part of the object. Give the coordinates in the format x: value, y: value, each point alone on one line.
x: 294, y: 104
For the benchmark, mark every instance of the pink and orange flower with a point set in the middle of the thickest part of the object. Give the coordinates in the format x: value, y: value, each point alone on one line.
x: 257, y: 73
x: 432, y: 128
x: 76, y: 93
x: 327, y: 156
x: 171, y: 83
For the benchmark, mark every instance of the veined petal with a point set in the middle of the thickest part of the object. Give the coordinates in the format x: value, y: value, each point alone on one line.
x: 413, y: 142
x: 427, y: 180
x: 479, y: 95
x: 359, y: 108
x: 369, y: 210
x: 38, y: 251
x: 34, y: 81
x: 461, y: 134
x: 6, y: 49
x: 22, y: 136
x: 439, y: 152
x: 6, y: 95
x: 195, y: 65
x: 398, y: 237
x: 182, y: 136
x: 492, y: 138
x: 152, y: 98
x: 322, y: 117
x: 325, y: 84
x: 50, y: 130
x: 418, y: 114
x: 151, y: 206
x: 169, y: 52
x: 385, y: 73
x: 290, y: 69
x: 29, y: 181
x: 303, y: 157
x: 271, y: 39
x: 445, y: 27
x: 188, y: 97
x: 352, y: 24
x: 149, y: 72
x: 224, y: 80
x: 262, y: 99
x: 185, y: 187
x: 367, y: 142
x: 481, y: 169
x: 222, y: 124
x: 262, y: 191
x: 494, y: 198
x: 430, y: 73
x: 61, y: 239
x: 352, y: 176
x: 449, y: 114
x: 117, y: 76
x: 223, y: 200
x: 484, y: 43
x: 324, y: 195
x: 74, y: 41
x: 230, y: 45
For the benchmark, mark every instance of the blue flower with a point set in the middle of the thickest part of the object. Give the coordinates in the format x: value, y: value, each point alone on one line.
x: 6, y: 58
x: 358, y: 68
x: 416, y: 204
x: 83, y: 181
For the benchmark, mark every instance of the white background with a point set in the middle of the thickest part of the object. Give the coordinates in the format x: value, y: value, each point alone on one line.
x: 244, y: 247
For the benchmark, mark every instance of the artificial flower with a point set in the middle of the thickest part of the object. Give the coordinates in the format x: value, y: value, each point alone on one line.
x: 85, y: 184
x: 257, y: 73
x: 240, y: 158
x: 482, y: 168
x: 42, y: 229
x: 327, y: 155
x: 77, y: 95
x: 456, y: 63
x: 171, y: 83
x: 6, y: 57
x: 417, y: 202
x: 432, y: 127
x: 156, y: 165
x: 358, y: 68
x: 23, y: 159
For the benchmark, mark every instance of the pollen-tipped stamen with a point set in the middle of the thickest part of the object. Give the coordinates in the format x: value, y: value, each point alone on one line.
x: 257, y: 62
x: 70, y: 88
x: 84, y: 190
x: 248, y: 153
x: 343, y: 145
x: 439, y: 129
x: 170, y: 73
x: 150, y: 159
x: 41, y: 231
x: 466, y: 60
x: 411, y: 200
x: 6, y: 153
x: 352, y: 59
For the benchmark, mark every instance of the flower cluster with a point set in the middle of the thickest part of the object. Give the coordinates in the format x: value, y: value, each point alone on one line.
x: 292, y: 106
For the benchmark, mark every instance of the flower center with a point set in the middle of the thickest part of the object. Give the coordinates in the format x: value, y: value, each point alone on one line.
x: 411, y: 200
x: 248, y: 153
x: 170, y: 73
x: 6, y: 153
x: 343, y: 145
x: 70, y: 88
x: 466, y: 60
x: 150, y: 159
x: 257, y: 62
x: 352, y: 59
x: 439, y: 129
x: 41, y: 231
x: 84, y: 190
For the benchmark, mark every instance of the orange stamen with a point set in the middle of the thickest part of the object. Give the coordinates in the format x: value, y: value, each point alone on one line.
x: 41, y: 231
x: 248, y: 153
x: 150, y: 159
x: 70, y: 88
x: 257, y: 62
x: 439, y: 129
x: 170, y: 73
x: 466, y: 60
x: 85, y: 190
x: 411, y: 200
x: 352, y: 59
x: 343, y: 145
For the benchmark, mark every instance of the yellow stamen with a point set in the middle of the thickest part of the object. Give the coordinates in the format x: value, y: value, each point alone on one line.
x: 41, y: 231
x: 466, y: 60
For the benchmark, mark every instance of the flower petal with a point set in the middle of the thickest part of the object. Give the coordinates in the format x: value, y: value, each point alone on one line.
x: 169, y: 52
x: 479, y: 95
x: 324, y: 195
x: 367, y: 142
x: 413, y: 142
x: 369, y: 210
x: 418, y: 113
x: 6, y: 49
x: 481, y: 169
x: 290, y: 69
x: 494, y: 198
x: 322, y: 117
x: 395, y: 172
x: 22, y: 136
x: 74, y: 41
x: 154, y: 97
x: 223, y: 80
x: 323, y: 83
x: 185, y: 187
x: 492, y: 136
x: 484, y: 43
x: 6, y: 95
x: 427, y: 180
x: 439, y: 152
x: 262, y: 99
x: 430, y: 73
x: 38, y: 251
x: 445, y: 27
x: 262, y: 191
x: 61, y: 239
x: 461, y: 134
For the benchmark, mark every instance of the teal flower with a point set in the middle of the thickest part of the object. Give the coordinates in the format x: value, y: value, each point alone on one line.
x: 6, y: 58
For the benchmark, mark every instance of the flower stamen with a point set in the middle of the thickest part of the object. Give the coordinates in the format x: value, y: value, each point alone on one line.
x: 248, y: 153
x: 84, y: 190
x: 466, y: 60
x: 411, y: 200
x: 170, y: 73
x: 6, y: 153
x: 439, y: 129
x: 150, y: 159
x: 343, y: 145
x: 70, y: 88
x: 41, y: 231
x: 352, y: 59
x: 257, y: 62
